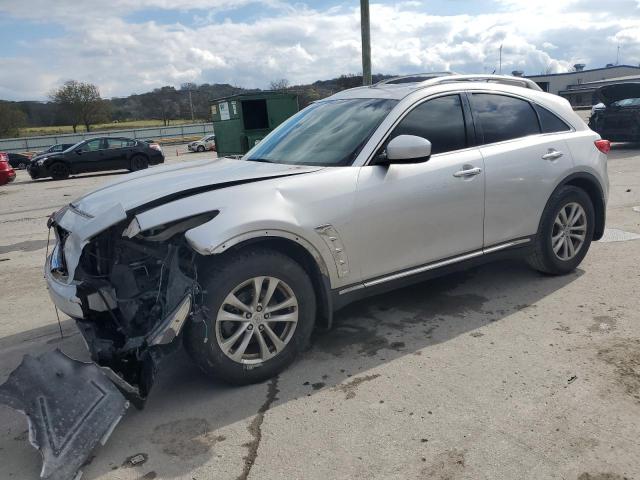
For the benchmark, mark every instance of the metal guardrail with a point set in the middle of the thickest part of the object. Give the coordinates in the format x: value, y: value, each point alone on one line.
x: 29, y: 144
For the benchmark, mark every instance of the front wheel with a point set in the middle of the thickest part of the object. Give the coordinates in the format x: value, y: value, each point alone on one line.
x: 260, y: 311
x: 59, y: 171
x: 200, y: 148
x: 565, y: 232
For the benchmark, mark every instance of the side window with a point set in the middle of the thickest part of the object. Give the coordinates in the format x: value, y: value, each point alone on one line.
x: 504, y: 118
x: 441, y: 121
x: 93, y: 145
x: 549, y: 122
x: 116, y: 143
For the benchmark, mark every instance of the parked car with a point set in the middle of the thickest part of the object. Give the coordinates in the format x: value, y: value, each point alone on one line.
x: 97, y: 155
x: 18, y: 160
x: 57, y: 148
x: 368, y: 190
x: 619, y: 120
x: 205, y: 143
x: 7, y: 173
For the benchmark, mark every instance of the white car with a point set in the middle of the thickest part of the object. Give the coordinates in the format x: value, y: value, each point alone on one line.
x: 368, y: 190
x: 205, y: 143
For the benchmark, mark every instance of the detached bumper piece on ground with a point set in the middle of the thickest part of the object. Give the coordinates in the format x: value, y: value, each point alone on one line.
x: 71, y: 407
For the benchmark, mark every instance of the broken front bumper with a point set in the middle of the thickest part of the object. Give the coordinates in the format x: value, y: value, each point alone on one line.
x: 63, y: 295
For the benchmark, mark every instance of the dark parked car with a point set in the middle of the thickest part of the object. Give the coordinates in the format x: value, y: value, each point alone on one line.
x: 97, y: 155
x: 18, y: 160
x: 619, y: 121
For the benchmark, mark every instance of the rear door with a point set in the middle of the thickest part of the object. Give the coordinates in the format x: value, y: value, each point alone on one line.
x: 525, y: 153
x: 116, y: 153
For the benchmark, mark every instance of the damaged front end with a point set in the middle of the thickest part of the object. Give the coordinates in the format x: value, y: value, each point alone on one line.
x: 136, y: 290
x: 130, y: 293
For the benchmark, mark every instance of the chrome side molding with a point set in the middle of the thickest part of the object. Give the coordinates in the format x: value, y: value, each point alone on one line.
x: 433, y: 266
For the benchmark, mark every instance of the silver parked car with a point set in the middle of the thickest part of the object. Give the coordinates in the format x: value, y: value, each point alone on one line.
x: 205, y: 143
x: 365, y: 191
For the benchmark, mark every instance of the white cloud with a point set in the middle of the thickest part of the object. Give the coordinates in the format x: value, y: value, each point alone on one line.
x: 303, y: 45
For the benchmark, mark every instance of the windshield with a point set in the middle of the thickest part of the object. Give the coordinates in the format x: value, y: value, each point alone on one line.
x: 75, y: 145
x: 329, y: 133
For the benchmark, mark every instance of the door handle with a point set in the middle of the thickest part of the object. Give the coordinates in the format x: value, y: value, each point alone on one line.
x: 552, y: 154
x: 469, y: 172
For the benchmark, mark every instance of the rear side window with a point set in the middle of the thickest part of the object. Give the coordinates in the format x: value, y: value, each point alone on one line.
x: 504, y: 118
x: 440, y: 121
x: 550, y: 122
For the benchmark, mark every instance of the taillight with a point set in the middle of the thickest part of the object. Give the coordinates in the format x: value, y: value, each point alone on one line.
x: 4, y: 157
x: 155, y: 146
x: 603, y: 145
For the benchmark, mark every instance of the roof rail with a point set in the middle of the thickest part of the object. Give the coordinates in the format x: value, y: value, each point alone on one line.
x: 501, y: 79
x: 413, y: 78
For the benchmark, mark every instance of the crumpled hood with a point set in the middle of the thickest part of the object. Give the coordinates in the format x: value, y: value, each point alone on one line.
x: 620, y: 91
x: 147, y: 186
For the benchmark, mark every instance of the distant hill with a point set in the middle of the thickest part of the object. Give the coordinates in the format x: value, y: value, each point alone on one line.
x: 167, y: 104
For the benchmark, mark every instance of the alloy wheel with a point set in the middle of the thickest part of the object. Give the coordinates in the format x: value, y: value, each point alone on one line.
x: 569, y: 231
x: 257, y: 320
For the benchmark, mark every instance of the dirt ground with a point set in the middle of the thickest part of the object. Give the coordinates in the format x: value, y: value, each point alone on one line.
x: 494, y: 373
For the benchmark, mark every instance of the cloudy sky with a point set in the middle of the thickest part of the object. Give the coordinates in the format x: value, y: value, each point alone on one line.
x: 132, y: 46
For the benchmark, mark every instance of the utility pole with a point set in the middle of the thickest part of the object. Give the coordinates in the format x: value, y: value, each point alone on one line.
x: 191, y: 105
x: 366, y: 42
x: 500, y: 69
x: 618, y: 56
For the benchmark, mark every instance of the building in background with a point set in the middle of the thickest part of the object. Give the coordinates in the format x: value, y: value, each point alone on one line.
x: 579, y: 86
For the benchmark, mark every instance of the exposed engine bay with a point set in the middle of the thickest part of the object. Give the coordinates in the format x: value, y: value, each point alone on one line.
x: 136, y: 295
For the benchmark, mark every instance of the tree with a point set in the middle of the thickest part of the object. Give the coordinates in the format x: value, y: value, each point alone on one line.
x: 81, y: 103
x: 11, y: 120
x: 280, y: 85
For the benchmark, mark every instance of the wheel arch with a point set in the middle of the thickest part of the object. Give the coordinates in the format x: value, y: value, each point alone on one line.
x: 304, y: 254
x: 589, y: 183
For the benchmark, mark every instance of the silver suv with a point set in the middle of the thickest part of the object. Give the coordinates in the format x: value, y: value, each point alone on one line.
x: 368, y: 190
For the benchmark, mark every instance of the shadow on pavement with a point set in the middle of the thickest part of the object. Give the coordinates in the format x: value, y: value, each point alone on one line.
x: 186, y: 411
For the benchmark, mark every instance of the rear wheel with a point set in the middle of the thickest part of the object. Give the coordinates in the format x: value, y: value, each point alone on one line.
x: 138, y: 162
x: 22, y: 165
x: 260, y: 308
x: 59, y: 171
x: 565, y: 232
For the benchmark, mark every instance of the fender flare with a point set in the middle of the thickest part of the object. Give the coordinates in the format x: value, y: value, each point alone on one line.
x: 593, y: 188
x: 323, y: 281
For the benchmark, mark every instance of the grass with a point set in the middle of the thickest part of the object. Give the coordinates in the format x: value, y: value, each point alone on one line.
x: 61, y: 129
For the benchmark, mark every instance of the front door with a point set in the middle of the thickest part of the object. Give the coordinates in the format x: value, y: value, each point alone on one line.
x: 88, y: 156
x: 409, y: 215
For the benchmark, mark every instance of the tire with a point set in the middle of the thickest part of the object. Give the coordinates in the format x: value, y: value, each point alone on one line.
x: 59, y: 171
x: 22, y: 166
x: 204, y: 339
x: 200, y: 149
x: 544, y: 257
x: 138, y: 162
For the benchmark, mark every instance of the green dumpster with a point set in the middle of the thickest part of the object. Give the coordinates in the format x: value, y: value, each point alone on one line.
x: 241, y: 121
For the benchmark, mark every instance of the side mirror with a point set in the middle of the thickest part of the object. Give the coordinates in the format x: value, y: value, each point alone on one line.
x: 79, y: 151
x: 406, y: 149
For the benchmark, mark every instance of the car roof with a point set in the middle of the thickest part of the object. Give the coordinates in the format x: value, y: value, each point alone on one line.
x: 503, y: 84
x: 392, y: 90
